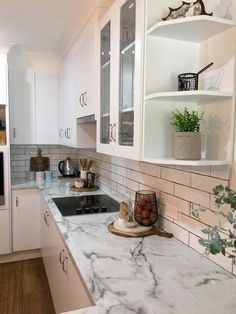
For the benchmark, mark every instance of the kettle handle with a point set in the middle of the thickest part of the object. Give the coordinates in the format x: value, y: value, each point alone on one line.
x: 59, y: 167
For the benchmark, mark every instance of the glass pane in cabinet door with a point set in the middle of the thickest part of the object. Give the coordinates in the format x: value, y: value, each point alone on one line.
x: 127, y: 60
x: 105, y: 85
x: 127, y: 23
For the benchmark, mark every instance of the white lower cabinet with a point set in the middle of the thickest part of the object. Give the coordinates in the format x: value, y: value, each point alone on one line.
x: 26, y: 219
x: 4, y: 231
x: 67, y: 289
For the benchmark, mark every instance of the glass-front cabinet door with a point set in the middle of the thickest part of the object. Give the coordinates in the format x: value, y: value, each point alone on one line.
x: 121, y: 37
x: 127, y: 63
x: 105, y: 68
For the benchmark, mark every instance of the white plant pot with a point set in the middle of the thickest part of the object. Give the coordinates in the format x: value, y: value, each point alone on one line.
x: 187, y: 145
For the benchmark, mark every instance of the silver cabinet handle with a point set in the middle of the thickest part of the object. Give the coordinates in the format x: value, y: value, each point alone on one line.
x: 80, y: 100
x: 60, y: 256
x: 109, y: 132
x: 17, y: 201
x: 65, y: 262
x: 85, y: 100
x: 68, y: 133
x: 113, y: 137
x: 61, y: 133
x: 14, y: 132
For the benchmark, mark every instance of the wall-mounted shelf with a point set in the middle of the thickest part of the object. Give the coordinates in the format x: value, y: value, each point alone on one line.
x: 199, y: 96
x: 172, y: 161
x: 193, y: 29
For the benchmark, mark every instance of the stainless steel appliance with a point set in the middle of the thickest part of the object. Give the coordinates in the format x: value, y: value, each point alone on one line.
x: 89, y: 204
x: 67, y: 168
x: 2, y: 196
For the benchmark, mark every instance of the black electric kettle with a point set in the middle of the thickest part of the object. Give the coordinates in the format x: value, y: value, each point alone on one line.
x: 67, y: 168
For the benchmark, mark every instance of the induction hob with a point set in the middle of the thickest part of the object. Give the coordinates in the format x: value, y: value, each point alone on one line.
x: 89, y: 204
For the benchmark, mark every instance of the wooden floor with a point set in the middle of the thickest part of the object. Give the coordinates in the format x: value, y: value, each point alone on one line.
x: 24, y: 288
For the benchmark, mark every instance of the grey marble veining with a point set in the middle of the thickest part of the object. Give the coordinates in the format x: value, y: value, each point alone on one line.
x: 150, y: 275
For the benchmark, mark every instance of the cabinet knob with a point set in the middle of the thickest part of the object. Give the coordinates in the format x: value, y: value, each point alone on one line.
x: 17, y: 201
x: 14, y: 132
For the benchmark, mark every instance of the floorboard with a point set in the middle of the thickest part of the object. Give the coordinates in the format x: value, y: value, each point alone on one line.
x: 24, y: 288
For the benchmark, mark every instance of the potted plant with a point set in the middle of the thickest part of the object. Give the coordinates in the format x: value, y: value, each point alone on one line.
x: 215, y: 243
x: 187, y: 135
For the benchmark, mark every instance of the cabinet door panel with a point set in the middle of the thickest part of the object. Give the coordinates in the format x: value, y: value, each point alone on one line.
x: 67, y: 114
x: 46, y: 101
x: 4, y: 243
x: 22, y: 107
x: 3, y: 80
x: 26, y: 220
x: 77, y: 295
x: 86, y: 79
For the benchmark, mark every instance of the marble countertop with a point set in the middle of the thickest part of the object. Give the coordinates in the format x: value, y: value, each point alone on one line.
x: 151, y: 275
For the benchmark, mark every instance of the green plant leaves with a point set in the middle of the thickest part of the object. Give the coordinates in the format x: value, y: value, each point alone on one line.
x: 186, y: 121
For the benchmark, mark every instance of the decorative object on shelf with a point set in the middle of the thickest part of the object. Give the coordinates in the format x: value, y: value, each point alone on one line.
x: 39, y: 163
x: 178, y: 12
x: 215, y: 244
x: 189, y: 81
x: 187, y: 135
x: 197, y: 8
x: 145, y: 208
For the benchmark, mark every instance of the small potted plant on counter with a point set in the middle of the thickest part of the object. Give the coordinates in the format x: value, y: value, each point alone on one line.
x: 187, y: 135
x: 220, y: 239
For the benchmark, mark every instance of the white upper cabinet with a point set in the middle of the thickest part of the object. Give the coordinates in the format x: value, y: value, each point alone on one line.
x: 86, y: 78
x: 46, y: 104
x: 185, y: 45
x: 33, y: 98
x: 121, y: 44
x: 67, y: 116
x: 3, y: 79
x: 22, y: 107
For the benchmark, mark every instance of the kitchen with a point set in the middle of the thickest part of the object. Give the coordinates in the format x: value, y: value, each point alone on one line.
x: 98, y: 80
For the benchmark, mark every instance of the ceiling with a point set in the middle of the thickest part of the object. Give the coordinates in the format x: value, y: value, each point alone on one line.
x: 36, y: 25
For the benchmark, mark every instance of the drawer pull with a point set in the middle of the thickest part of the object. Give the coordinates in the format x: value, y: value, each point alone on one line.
x: 60, y: 256
x: 64, y: 263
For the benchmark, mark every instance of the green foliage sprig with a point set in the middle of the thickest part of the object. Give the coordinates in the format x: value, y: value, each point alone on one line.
x: 186, y: 121
x: 215, y: 244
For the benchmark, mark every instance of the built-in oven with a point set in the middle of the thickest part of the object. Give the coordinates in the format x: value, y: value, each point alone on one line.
x: 2, y: 196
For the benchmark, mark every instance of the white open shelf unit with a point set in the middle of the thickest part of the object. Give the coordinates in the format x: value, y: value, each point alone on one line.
x: 172, y: 161
x: 199, y: 96
x: 179, y: 46
x: 192, y: 29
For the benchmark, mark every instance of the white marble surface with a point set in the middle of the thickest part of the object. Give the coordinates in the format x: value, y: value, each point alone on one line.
x: 150, y: 275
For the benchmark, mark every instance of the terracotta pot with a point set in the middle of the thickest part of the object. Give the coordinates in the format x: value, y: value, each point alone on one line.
x: 187, y: 145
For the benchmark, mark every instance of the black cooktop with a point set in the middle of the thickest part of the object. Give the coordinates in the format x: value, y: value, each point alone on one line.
x: 89, y: 204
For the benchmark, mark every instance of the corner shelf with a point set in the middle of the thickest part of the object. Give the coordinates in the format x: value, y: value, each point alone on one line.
x: 199, y: 96
x: 173, y: 161
x: 192, y: 29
